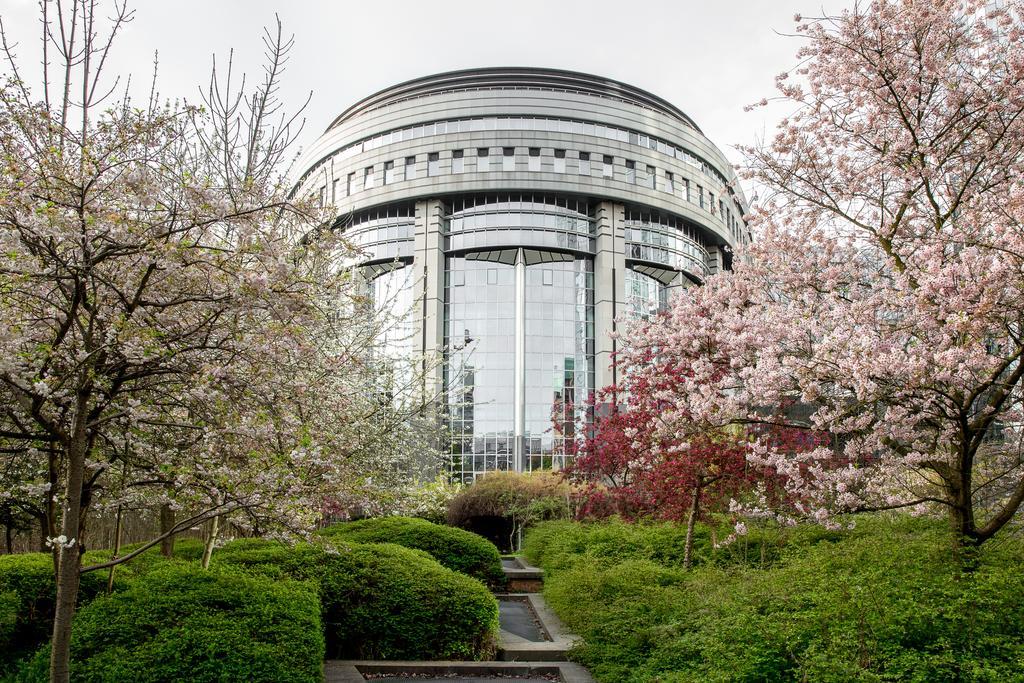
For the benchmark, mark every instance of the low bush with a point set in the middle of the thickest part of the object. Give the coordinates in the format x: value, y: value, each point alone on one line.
x: 456, y: 549
x: 500, y: 505
x: 383, y: 601
x: 180, y: 623
x: 27, y: 596
x: 886, y: 601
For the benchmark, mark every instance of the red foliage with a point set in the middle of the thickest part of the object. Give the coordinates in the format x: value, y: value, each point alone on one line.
x: 632, y: 464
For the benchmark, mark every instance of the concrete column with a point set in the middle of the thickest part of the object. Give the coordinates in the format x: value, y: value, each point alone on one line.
x: 609, y: 275
x: 428, y: 265
x: 714, y: 260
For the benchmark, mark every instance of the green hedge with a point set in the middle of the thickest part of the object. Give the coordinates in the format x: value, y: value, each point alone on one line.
x: 181, y: 623
x: 454, y: 548
x: 886, y: 601
x: 383, y: 601
x: 27, y: 596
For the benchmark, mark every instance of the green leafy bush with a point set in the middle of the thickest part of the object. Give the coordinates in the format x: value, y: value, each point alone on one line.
x: 383, y: 601
x: 9, y: 604
x: 887, y: 601
x: 456, y: 549
x: 180, y: 622
x: 27, y: 595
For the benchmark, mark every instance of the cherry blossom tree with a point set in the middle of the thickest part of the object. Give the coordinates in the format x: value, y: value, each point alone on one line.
x: 884, y: 291
x: 174, y: 329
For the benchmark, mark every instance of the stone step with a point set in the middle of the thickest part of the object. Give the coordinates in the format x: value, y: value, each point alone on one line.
x: 521, y: 576
x: 343, y: 671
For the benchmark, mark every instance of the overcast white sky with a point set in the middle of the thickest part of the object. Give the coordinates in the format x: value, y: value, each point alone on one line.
x: 708, y: 58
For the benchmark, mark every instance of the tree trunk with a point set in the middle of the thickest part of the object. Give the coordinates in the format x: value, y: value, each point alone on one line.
x: 9, y: 538
x: 53, y: 477
x: 166, y: 524
x: 211, y: 539
x: 69, y: 558
x: 117, y: 549
x: 691, y: 522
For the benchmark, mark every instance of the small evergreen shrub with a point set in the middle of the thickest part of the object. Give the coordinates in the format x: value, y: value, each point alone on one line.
x: 181, y: 623
x: 383, y: 601
x: 456, y: 549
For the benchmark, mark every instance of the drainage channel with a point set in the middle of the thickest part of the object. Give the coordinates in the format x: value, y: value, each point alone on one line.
x: 518, y: 618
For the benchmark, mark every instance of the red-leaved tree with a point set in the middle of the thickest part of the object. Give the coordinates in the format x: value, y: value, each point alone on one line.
x: 631, y: 466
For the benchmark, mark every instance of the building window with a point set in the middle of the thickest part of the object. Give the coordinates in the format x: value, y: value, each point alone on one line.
x: 323, y: 196
x: 433, y: 163
x: 508, y: 159
x: 584, y: 163
x: 670, y: 182
x: 389, y: 172
x: 608, y: 168
x: 711, y: 201
x: 630, y: 171
x: 534, y: 159
x: 686, y: 189
x: 483, y: 159
x: 652, y: 178
x: 700, y: 196
x: 410, y: 168
x: 334, y: 191
x: 458, y: 163
x: 368, y: 177
x: 559, y: 161
x: 348, y: 184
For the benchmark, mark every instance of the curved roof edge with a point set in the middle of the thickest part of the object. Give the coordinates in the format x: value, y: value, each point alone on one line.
x: 503, y: 76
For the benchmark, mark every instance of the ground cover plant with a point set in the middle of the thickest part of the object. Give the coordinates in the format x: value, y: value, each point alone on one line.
x: 180, y: 622
x: 888, y: 600
x: 456, y: 549
x: 382, y: 601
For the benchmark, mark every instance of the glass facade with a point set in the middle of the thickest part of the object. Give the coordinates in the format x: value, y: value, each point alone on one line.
x: 665, y: 240
x: 392, y: 294
x: 480, y: 326
x: 559, y: 359
x: 519, y: 220
x: 645, y: 296
x: 519, y: 371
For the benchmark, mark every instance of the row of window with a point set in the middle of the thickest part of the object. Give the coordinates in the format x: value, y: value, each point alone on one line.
x: 645, y: 176
x: 543, y: 124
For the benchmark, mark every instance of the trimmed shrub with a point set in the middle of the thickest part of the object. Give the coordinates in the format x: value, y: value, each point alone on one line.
x: 500, y: 505
x: 456, y: 549
x: 180, y: 623
x: 383, y: 601
x: 27, y: 596
x: 887, y: 601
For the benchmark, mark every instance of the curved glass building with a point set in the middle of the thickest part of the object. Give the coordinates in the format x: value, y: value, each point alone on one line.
x: 518, y: 213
